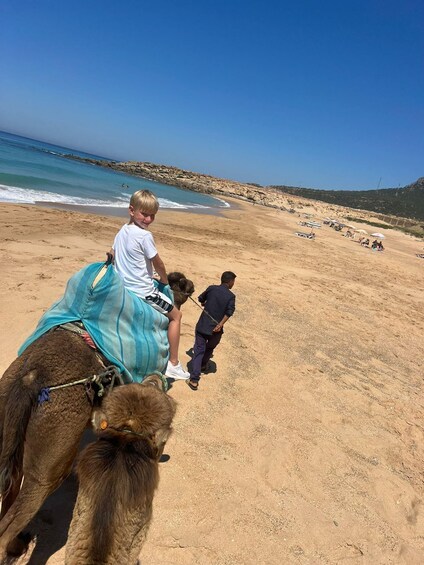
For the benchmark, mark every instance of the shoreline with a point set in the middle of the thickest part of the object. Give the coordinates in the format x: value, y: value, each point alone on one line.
x: 123, y: 211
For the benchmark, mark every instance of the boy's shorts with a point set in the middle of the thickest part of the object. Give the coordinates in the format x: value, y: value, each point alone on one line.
x: 159, y: 302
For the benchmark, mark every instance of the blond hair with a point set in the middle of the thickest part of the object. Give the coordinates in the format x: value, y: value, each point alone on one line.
x: 145, y: 201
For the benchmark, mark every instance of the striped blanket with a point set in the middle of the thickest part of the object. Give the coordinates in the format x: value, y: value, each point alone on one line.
x: 129, y: 332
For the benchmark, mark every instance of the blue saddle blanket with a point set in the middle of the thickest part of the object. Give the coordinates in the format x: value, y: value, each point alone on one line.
x: 130, y: 333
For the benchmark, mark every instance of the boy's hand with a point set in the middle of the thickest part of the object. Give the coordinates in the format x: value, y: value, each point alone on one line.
x: 220, y: 324
x: 110, y: 257
x: 161, y: 286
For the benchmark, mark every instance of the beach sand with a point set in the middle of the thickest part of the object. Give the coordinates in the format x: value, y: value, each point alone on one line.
x: 306, y: 444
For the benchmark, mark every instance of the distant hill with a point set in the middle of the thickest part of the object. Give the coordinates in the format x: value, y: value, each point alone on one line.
x: 407, y: 202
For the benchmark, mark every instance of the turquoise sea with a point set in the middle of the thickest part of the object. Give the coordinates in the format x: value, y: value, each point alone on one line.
x: 36, y: 172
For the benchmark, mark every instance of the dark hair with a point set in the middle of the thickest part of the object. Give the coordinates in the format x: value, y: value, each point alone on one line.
x: 227, y: 276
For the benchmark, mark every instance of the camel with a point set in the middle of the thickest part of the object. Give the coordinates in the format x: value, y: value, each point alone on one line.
x: 118, y: 475
x: 40, y: 442
x: 181, y: 287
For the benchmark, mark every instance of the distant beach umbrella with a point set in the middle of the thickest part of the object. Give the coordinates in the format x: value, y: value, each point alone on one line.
x: 361, y: 231
x: 379, y: 235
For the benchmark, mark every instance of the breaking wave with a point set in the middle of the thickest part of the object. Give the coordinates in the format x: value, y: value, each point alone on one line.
x: 17, y: 195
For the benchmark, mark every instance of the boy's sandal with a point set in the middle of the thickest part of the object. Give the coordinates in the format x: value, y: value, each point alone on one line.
x: 194, y: 385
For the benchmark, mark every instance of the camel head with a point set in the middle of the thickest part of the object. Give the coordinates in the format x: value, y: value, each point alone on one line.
x: 137, y: 412
x: 181, y: 287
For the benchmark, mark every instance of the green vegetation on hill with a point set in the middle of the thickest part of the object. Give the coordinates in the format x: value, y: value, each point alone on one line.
x: 416, y: 230
x: 407, y: 202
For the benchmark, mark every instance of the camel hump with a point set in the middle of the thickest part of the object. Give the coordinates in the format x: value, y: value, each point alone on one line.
x: 129, y: 332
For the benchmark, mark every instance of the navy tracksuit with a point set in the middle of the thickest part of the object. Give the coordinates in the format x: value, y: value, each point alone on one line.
x: 218, y: 301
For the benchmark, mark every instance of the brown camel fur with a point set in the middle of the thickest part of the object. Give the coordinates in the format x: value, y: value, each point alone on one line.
x: 40, y: 442
x: 118, y: 475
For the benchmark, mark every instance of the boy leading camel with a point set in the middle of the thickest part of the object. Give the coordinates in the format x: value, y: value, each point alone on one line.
x: 219, y: 304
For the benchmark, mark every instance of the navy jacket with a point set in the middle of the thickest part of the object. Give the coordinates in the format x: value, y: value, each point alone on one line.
x: 219, y: 301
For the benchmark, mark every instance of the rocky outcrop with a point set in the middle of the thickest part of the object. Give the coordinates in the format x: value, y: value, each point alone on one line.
x: 271, y: 196
x: 199, y: 182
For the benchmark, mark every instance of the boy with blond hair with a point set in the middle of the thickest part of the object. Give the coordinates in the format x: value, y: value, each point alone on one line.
x: 135, y: 258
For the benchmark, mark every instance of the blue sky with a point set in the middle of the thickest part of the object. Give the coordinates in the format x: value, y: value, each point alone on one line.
x: 322, y: 94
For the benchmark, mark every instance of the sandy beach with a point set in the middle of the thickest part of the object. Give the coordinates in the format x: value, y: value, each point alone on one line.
x: 305, y: 445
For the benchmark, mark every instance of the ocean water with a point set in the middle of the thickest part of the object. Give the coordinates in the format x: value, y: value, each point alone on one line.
x: 35, y: 172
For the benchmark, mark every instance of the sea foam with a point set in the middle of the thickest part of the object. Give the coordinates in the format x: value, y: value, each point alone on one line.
x: 17, y: 195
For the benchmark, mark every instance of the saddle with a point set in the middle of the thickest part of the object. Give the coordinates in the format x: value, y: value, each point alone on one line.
x: 129, y: 333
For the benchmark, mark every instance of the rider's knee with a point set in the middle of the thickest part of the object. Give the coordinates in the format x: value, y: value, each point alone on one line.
x: 175, y: 314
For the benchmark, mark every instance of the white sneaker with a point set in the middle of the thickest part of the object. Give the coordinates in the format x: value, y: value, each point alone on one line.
x: 176, y: 372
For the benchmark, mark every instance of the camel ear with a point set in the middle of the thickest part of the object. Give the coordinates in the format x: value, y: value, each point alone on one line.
x: 154, y: 380
x: 160, y: 438
x: 99, y: 421
x: 188, y: 286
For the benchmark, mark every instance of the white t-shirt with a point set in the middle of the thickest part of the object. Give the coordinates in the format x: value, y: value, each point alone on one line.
x: 134, y: 249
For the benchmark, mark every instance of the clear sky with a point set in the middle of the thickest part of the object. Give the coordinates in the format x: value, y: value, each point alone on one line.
x: 321, y: 94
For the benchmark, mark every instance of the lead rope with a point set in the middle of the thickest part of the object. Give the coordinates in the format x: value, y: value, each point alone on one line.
x: 203, y: 310
x: 112, y: 371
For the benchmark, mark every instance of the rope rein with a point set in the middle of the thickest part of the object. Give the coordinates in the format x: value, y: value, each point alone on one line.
x: 111, y: 374
x: 127, y: 431
x: 203, y: 309
x: 163, y: 379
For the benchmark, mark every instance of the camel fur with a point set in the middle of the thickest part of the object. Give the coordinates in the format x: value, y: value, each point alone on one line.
x: 118, y: 475
x: 181, y: 287
x: 40, y: 443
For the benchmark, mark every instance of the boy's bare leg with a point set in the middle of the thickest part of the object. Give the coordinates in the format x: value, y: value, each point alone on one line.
x: 174, y: 330
x: 174, y: 368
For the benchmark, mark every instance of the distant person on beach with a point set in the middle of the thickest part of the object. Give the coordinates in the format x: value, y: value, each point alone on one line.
x: 135, y: 258
x: 219, y: 304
